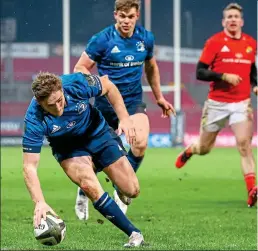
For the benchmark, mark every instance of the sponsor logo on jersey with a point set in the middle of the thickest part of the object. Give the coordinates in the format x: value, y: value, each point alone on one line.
x: 236, y: 60
x: 126, y: 64
x: 129, y: 58
x: 71, y: 124
x: 115, y: 50
x: 225, y: 49
x: 55, y: 128
x: 140, y: 46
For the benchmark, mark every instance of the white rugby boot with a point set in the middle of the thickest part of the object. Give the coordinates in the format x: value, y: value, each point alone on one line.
x: 122, y: 201
x: 135, y: 240
x: 82, y: 206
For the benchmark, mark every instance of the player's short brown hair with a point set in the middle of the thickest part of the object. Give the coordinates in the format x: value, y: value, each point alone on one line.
x: 233, y: 6
x: 126, y: 5
x: 44, y: 84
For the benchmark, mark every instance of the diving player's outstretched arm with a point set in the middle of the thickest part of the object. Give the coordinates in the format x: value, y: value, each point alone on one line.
x: 153, y: 77
x: 84, y: 64
x: 115, y: 99
x: 30, y: 165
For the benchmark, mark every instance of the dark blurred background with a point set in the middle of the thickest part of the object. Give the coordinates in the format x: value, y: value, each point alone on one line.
x: 41, y: 21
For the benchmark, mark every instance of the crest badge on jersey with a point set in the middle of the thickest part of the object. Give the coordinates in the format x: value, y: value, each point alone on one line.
x: 81, y: 107
x: 140, y: 46
x: 249, y: 49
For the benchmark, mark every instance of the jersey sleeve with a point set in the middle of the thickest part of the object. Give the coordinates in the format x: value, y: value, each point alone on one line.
x: 88, y: 85
x: 150, y: 45
x: 96, y: 47
x: 33, y: 136
x: 209, y: 52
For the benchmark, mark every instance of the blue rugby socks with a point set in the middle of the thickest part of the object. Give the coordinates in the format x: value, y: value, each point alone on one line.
x: 135, y: 161
x: 110, y: 210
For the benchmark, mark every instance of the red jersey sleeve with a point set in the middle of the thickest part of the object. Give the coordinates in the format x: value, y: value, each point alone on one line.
x: 209, y: 52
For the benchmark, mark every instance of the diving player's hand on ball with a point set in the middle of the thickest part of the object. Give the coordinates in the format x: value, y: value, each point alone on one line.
x: 126, y: 126
x: 166, y: 107
x: 41, y: 209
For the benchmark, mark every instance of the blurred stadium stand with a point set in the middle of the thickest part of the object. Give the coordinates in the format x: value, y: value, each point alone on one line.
x: 37, y: 46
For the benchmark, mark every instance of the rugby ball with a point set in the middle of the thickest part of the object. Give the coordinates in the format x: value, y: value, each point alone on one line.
x: 51, y: 231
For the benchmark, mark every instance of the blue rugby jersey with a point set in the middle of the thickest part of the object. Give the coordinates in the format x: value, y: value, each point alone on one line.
x: 122, y: 60
x: 78, y: 114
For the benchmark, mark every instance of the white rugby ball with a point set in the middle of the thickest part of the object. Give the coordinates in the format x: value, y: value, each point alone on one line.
x: 51, y: 231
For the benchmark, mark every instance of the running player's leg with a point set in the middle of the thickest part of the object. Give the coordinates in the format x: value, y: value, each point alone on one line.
x: 142, y: 129
x: 241, y: 122
x: 137, y: 151
x: 82, y: 204
x: 138, y: 115
x: 80, y: 171
x: 111, y: 158
x: 214, y: 117
x: 135, y: 156
x: 202, y: 147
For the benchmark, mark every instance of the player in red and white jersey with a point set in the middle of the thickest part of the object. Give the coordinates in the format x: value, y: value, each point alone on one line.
x: 228, y: 63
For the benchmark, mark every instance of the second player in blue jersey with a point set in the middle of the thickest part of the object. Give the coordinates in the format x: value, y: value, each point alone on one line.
x: 122, y: 51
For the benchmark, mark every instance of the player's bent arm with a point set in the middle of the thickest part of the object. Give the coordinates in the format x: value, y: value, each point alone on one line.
x: 153, y: 77
x: 205, y: 74
x: 84, y: 64
x: 30, y: 165
x: 114, y: 97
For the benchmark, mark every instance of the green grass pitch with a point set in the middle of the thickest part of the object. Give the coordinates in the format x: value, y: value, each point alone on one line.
x: 200, y: 207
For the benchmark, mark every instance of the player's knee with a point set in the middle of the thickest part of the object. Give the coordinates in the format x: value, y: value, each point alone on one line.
x: 134, y: 190
x: 140, y: 145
